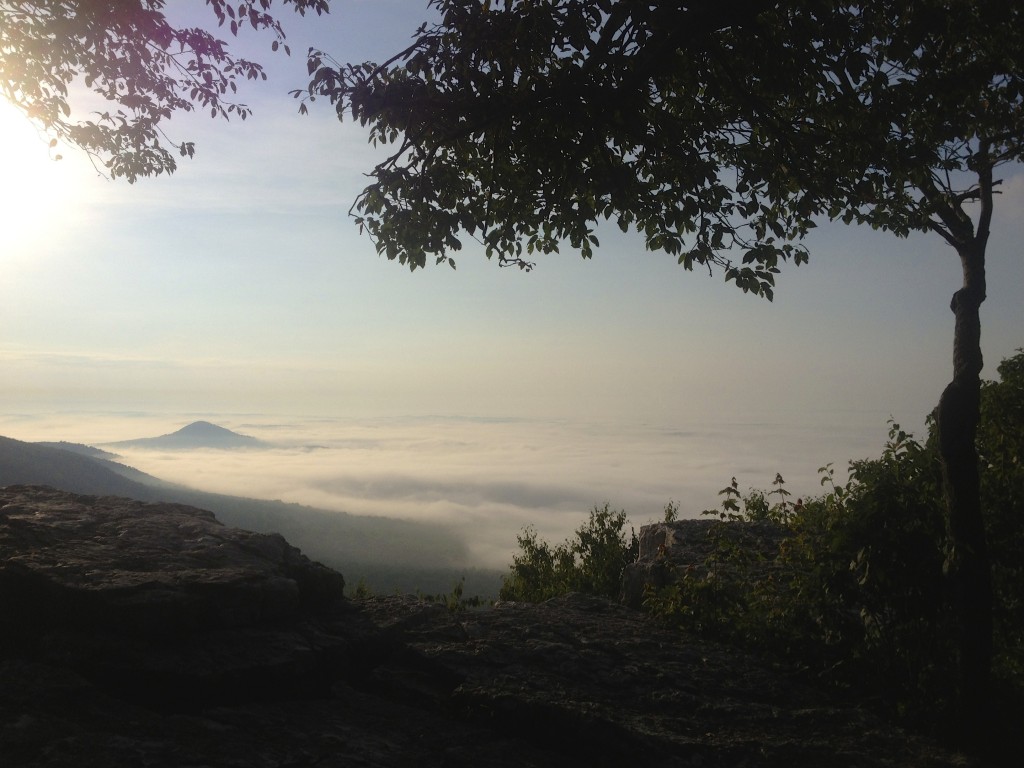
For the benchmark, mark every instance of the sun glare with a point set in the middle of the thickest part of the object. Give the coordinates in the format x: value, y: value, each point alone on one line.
x: 36, y: 189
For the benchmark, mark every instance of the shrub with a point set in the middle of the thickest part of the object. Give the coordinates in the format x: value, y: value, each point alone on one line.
x: 855, y: 591
x: 591, y: 562
x: 1001, y: 452
x: 742, y: 593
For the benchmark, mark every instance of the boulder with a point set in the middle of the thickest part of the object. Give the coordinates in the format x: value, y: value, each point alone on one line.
x: 668, y: 550
x: 68, y: 560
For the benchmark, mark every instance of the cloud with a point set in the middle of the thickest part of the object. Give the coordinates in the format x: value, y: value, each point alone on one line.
x: 486, y: 478
x: 464, y: 493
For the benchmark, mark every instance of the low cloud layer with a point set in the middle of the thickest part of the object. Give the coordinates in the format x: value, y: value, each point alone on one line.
x: 489, y: 478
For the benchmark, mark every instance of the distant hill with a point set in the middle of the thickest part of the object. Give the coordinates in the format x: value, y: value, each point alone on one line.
x: 85, y: 450
x: 389, y: 554
x: 198, y: 434
x: 69, y: 470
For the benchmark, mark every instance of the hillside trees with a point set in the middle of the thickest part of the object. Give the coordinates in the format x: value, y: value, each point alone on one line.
x: 52, y: 52
x: 719, y: 132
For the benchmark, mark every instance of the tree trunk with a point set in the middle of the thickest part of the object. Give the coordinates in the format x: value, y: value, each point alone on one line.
x: 967, y: 562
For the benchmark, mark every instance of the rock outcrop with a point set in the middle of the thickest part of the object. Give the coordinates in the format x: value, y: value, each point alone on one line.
x: 149, y: 635
x: 72, y: 561
x: 667, y: 550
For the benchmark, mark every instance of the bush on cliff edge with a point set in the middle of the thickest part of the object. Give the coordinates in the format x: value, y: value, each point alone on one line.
x: 590, y: 562
x: 857, y: 593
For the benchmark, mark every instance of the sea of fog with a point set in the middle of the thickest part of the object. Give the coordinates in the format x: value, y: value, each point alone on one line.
x: 490, y: 477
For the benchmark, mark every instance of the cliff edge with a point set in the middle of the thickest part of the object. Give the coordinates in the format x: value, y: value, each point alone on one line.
x: 149, y: 634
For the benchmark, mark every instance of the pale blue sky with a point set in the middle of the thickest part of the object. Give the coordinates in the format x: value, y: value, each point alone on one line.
x: 240, y: 285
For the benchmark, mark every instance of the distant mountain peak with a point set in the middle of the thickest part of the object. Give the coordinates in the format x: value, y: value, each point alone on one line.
x: 206, y: 428
x: 198, y: 434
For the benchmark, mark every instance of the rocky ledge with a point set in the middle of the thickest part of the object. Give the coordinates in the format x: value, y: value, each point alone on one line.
x: 139, y: 634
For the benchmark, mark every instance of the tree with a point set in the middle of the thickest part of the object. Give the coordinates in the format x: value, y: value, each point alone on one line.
x: 128, y: 53
x: 718, y: 132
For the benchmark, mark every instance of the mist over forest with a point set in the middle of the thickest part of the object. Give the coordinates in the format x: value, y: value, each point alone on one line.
x: 478, y: 481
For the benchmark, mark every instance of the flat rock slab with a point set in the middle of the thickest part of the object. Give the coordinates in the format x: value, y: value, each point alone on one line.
x: 387, y: 681
x: 71, y: 560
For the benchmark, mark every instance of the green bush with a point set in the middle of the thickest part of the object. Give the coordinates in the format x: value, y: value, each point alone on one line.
x: 856, y: 592
x: 1001, y: 452
x: 591, y: 562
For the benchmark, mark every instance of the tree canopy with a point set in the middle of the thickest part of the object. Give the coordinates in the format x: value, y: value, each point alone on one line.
x: 718, y: 131
x: 52, y: 52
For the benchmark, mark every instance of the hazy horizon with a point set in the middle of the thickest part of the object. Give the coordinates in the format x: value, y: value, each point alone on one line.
x: 489, y: 477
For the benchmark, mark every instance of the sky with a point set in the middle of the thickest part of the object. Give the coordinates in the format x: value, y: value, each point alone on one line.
x: 239, y: 290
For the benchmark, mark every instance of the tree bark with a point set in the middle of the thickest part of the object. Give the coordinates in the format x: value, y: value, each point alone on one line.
x: 967, y: 561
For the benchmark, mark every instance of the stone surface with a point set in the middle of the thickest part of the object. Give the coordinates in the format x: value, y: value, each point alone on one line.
x: 668, y: 549
x: 270, y: 670
x: 68, y: 560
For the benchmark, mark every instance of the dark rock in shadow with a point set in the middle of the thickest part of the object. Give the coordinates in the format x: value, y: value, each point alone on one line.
x: 149, y: 634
